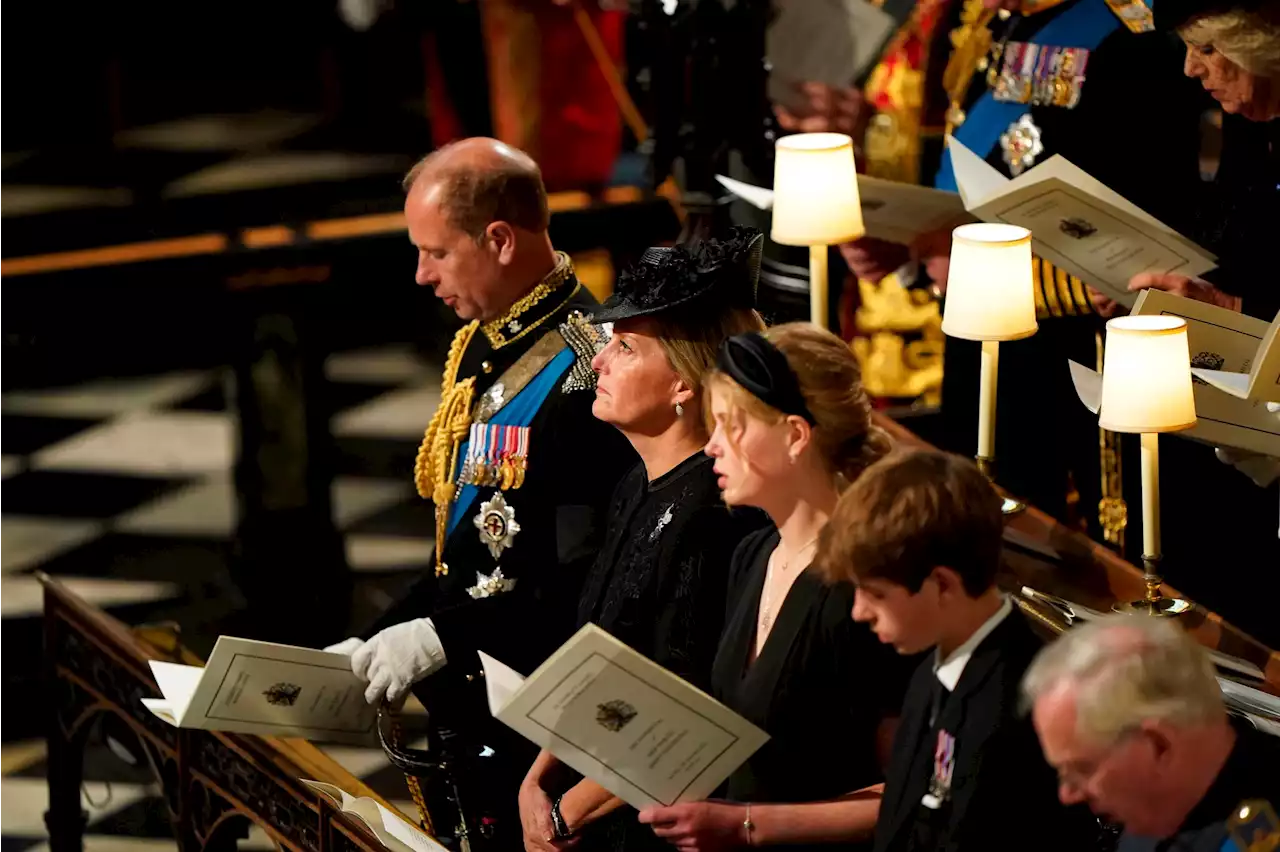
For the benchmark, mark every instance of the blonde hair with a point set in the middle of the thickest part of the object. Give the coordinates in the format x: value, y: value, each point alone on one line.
x: 1128, y: 669
x: 691, y: 342
x: 1250, y: 39
x: 831, y: 384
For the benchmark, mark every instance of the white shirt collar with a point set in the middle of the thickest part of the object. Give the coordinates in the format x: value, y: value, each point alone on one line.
x: 950, y: 670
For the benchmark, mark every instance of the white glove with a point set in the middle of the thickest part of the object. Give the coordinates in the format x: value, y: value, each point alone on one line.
x: 346, y: 647
x: 397, y: 658
x: 1263, y: 470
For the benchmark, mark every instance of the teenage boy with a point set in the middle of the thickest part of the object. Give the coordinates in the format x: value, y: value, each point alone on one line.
x: 919, y: 534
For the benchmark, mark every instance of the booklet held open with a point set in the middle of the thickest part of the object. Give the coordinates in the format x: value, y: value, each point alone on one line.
x: 623, y: 721
x: 267, y: 689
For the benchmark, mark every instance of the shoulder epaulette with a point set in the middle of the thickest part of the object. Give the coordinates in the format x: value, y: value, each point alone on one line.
x: 586, y: 339
x: 1134, y: 14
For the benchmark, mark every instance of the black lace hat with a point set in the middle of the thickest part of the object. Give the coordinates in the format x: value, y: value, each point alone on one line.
x: 723, y: 273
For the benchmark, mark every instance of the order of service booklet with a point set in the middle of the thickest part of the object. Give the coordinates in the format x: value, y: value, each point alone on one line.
x: 1258, y: 380
x: 623, y: 721
x: 1077, y: 222
x: 893, y: 211
x: 267, y: 689
x: 1218, y: 338
x: 391, y: 829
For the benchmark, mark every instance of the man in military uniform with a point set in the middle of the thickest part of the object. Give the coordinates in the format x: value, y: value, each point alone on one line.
x: 1129, y: 713
x: 1092, y: 81
x: 518, y: 506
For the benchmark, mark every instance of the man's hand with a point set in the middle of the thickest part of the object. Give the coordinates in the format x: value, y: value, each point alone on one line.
x: 397, y: 658
x: 1103, y: 305
x: 1189, y: 288
x: 699, y: 826
x: 825, y: 109
x: 535, y: 820
x: 871, y: 259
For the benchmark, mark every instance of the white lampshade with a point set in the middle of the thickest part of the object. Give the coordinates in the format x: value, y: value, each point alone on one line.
x: 989, y: 289
x: 815, y: 191
x: 1146, y: 376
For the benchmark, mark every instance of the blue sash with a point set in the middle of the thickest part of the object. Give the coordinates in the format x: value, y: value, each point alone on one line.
x: 1083, y: 25
x: 519, y: 411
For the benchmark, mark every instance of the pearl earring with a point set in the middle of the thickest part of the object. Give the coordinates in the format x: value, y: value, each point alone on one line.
x: 679, y: 410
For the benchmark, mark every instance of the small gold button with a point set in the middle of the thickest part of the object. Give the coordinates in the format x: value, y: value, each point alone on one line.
x: 487, y: 366
x: 983, y: 63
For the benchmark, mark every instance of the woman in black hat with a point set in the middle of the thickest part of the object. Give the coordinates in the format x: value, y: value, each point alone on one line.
x: 659, y: 581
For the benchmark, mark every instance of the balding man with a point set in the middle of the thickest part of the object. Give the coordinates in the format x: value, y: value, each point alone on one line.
x: 516, y: 465
x: 1129, y: 712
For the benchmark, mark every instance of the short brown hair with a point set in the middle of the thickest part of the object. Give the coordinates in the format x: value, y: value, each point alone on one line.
x: 831, y: 384
x: 910, y: 513
x: 473, y: 196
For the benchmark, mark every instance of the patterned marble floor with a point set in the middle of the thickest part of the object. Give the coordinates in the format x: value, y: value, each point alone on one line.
x: 121, y: 489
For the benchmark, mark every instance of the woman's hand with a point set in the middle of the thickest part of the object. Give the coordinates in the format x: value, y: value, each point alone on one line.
x: 1103, y: 305
x: 699, y: 826
x: 535, y: 820
x: 824, y: 109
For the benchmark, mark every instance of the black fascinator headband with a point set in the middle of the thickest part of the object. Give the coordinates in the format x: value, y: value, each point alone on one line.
x: 761, y: 368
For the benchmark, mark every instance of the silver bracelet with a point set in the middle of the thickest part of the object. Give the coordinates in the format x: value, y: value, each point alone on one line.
x: 749, y: 826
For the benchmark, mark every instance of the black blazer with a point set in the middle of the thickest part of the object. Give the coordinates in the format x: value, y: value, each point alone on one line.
x: 1003, y: 793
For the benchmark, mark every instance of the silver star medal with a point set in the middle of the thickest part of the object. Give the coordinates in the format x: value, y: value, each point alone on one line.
x: 1021, y: 144
x: 662, y: 523
x: 488, y: 585
x: 491, y: 402
x: 514, y: 326
x: 497, y: 524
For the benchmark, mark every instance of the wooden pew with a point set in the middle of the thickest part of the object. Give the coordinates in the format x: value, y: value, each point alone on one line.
x: 1043, y: 554
x: 214, y: 784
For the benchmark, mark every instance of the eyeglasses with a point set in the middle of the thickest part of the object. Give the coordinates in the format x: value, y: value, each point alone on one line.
x: 1080, y: 778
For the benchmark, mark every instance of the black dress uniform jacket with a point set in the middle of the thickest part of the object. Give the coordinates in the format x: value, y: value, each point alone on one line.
x: 1003, y: 793
x: 1135, y: 129
x: 1251, y: 773
x: 574, y: 463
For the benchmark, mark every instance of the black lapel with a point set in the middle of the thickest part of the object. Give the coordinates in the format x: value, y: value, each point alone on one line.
x: 907, y: 742
x: 977, y: 701
x: 763, y: 674
x: 606, y: 560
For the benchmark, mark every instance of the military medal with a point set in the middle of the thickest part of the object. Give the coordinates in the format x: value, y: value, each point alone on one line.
x: 1040, y: 75
x: 497, y: 524
x: 1021, y: 144
x: 488, y: 585
x: 944, y: 764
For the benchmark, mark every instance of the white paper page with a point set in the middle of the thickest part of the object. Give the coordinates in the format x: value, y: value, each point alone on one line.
x: 406, y: 833
x: 161, y: 709
x: 1267, y: 726
x: 501, y: 682
x: 823, y: 41
x: 976, y: 180
x: 1088, y: 384
x: 1249, y: 699
x: 636, y: 729
x: 1235, y: 664
x: 1236, y: 384
x: 178, y: 683
x: 281, y: 690
x: 902, y: 212
x: 758, y: 196
x: 1229, y: 341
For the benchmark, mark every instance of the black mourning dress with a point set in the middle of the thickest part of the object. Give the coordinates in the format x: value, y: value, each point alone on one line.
x: 658, y: 585
x: 819, y: 688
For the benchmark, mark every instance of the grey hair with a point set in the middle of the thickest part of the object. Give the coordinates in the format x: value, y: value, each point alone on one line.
x: 1127, y: 669
x: 1249, y: 38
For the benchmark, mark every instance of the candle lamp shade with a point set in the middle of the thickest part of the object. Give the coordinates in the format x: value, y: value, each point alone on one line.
x: 815, y: 191
x: 990, y: 295
x: 1146, y: 376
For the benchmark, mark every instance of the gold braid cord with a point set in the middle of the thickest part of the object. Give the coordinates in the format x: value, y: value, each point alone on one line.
x: 1113, y: 513
x: 411, y: 781
x: 433, y: 469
